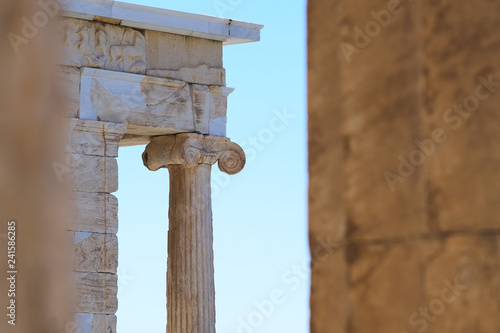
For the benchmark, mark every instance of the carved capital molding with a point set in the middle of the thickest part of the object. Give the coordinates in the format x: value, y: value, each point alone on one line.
x: 190, y: 150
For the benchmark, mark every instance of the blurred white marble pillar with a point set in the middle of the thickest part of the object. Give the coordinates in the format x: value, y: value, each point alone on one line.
x: 190, y: 267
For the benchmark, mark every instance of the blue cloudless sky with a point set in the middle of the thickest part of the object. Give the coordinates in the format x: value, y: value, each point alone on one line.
x: 260, y: 215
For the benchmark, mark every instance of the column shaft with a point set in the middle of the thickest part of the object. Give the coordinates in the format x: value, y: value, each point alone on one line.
x: 190, y: 269
x: 190, y: 266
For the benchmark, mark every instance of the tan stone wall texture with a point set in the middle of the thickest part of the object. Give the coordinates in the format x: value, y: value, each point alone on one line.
x: 30, y: 193
x: 404, y: 143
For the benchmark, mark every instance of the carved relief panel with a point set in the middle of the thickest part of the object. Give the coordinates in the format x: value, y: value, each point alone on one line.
x: 99, y: 45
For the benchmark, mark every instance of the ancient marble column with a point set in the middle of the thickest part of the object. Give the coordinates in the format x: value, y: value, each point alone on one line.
x: 190, y: 267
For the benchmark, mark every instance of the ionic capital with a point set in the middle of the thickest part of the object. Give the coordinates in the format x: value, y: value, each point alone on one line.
x: 190, y: 150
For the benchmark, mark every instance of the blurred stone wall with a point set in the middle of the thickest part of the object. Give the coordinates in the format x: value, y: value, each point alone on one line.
x: 30, y: 194
x: 404, y: 129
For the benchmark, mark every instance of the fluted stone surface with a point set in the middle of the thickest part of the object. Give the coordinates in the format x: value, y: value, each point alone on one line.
x: 190, y: 267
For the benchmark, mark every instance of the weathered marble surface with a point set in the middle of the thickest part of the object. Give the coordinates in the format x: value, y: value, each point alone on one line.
x: 97, y: 44
x: 218, y: 109
x: 174, y: 52
x: 109, y: 48
x: 189, y: 59
x: 190, y: 268
x: 94, y: 323
x: 95, y: 252
x: 190, y: 149
x: 94, y: 137
x: 218, y: 101
x: 199, y: 75
x: 104, y: 323
x: 94, y: 174
x: 95, y: 212
x: 151, y: 106
x: 96, y: 293
x: 182, y: 71
x: 224, y: 30
x: 92, y: 150
x: 69, y: 87
x: 100, y: 45
x: 190, y: 265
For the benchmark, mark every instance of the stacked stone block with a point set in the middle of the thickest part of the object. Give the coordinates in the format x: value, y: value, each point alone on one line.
x: 184, y: 91
x: 122, y: 86
x: 92, y: 149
